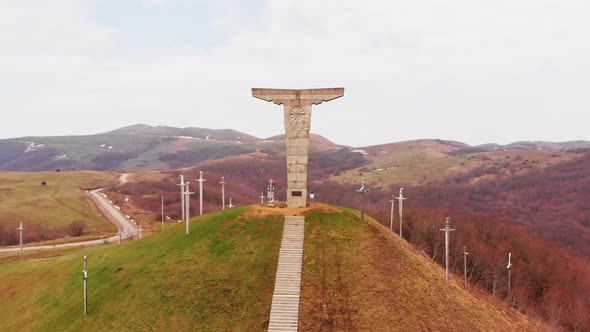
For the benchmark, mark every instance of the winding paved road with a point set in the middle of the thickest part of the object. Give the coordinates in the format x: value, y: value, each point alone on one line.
x: 128, y: 229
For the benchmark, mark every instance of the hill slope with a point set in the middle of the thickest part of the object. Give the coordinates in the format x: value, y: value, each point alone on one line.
x: 137, y: 147
x: 421, y: 161
x: 362, y: 277
x: 144, y: 147
x: 134, y: 147
x: 550, y: 202
x: 229, y: 135
x: 48, y: 212
x: 220, y: 277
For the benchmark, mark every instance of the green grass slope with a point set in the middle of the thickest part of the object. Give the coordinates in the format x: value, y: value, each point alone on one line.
x: 47, y: 211
x: 219, y: 277
x: 361, y: 277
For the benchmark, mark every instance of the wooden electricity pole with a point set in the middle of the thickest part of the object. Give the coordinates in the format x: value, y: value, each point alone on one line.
x: 182, y: 196
x: 222, y: 193
x: 21, y: 229
x: 85, y: 274
x: 270, y: 192
x: 363, y: 191
x: 201, y: 180
x: 447, y: 230
x: 400, y: 205
x: 465, y: 253
x: 391, y: 214
x: 162, y: 212
x: 187, y: 202
x: 509, y: 267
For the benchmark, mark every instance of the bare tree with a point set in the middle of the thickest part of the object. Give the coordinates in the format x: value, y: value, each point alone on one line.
x: 76, y: 227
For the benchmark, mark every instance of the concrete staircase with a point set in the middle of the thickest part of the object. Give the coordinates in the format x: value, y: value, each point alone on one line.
x: 284, y: 312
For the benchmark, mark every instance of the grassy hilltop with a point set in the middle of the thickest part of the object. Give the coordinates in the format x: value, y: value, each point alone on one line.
x: 221, y: 277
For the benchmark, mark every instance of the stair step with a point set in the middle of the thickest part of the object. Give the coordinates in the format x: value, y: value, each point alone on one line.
x: 284, y: 312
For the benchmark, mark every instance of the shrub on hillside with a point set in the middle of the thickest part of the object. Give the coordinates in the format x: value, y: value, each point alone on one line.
x: 77, y: 227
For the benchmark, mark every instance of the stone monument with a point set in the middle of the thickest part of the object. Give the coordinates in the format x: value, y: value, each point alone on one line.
x: 297, y: 110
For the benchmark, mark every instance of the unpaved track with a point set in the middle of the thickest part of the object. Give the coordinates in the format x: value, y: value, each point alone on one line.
x: 128, y: 229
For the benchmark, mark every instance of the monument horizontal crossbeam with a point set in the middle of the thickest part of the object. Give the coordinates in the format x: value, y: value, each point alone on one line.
x: 300, y: 97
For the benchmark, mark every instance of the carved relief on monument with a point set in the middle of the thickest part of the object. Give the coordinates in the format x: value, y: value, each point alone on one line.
x: 297, y: 114
x: 297, y: 118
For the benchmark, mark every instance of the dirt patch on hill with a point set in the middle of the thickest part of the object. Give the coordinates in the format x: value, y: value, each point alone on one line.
x: 259, y: 211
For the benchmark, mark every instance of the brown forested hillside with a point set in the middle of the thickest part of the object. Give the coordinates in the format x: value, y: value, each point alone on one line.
x: 493, y: 216
x: 551, y: 203
x: 547, y: 281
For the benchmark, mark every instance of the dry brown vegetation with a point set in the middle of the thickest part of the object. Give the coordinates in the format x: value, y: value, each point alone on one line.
x: 418, y: 162
x: 547, y: 282
x: 260, y: 211
x: 361, y: 277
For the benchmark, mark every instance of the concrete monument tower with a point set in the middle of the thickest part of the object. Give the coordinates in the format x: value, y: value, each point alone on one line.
x: 297, y: 109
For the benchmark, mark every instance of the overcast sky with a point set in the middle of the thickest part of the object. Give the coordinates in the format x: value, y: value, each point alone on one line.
x: 476, y: 71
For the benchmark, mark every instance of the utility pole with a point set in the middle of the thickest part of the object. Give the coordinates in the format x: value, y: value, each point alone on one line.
x: 85, y: 274
x: 182, y: 190
x: 391, y: 214
x: 187, y: 203
x: 222, y: 193
x: 119, y: 235
x: 21, y: 229
x: 401, y: 209
x: 270, y: 191
x: 465, y: 253
x: 230, y: 204
x: 363, y: 191
x: 447, y: 230
x: 162, y: 212
x: 140, y: 231
x: 262, y: 198
x: 201, y: 180
x: 509, y: 267
x: 187, y: 213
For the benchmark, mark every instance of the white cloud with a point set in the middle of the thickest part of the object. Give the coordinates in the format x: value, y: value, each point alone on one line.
x: 154, y: 3
x: 49, y: 28
x: 470, y: 70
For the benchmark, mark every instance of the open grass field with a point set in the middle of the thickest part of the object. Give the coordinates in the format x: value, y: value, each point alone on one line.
x: 361, y: 277
x: 220, y: 277
x: 47, y: 211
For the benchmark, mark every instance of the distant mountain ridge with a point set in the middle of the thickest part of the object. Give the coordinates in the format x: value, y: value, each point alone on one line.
x: 189, y: 132
x: 524, y: 146
x: 136, y: 147
x: 133, y: 147
x: 145, y: 147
